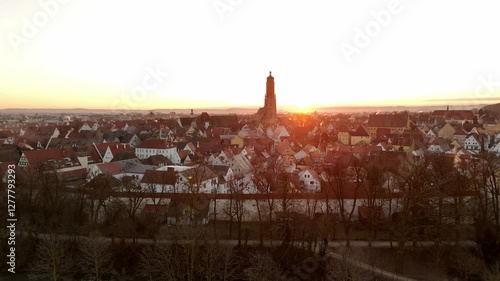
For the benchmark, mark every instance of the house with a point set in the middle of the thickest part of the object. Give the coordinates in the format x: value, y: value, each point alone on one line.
x: 386, y: 146
x: 360, y: 135
x: 460, y: 135
x: 240, y: 165
x: 156, y: 160
x: 495, y: 149
x: 439, y: 145
x: 248, y: 151
x: 6, y: 137
x: 70, y: 141
x: 456, y: 144
x: 132, y: 168
x: 300, y: 155
x: 131, y: 139
x: 181, y: 157
x: 342, y: 158
x: 284, y: 148
x: 474, y: 143
x: 237, y: 140
x: 431, y: 134
x: 216, y: 159
x: 50, y: 131
x: 344, y: 137
x: 454, y: 116
x: 85, y: 127
x: 403, y: 143
x: 344, y: 134
x: 113, y: 149
x: 492, y: 127
x: 393, y: 122
x: 310, y: 179
x: 226, y: 178
x: 198, y: 179
x: 279, y: 133
x: 447, y: 131
x: 287, y: 163
x: 186, y: 146
x: 60, y: 159
x: 229, y: 121
x: 32, y: 142
x: 150, y: 147
x: 159, y: 181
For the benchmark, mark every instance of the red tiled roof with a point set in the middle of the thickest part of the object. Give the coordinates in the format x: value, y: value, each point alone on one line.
x: 460, y: 132
x: 115, y: 148
x: 111, y: 168
x: 454, y: 114
x: 55, y: 155
x: 183, y: 154
x: 102, y: 147
x: 159, y: 177
x: 360, y: 132
x: 389, y: 120
x: 338, y: 157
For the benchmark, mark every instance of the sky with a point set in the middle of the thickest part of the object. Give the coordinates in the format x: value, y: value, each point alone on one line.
x: 151, y: 54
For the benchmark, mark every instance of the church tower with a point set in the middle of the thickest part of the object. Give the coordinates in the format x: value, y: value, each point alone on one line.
x: 270, y: 100
x: 267, y: 114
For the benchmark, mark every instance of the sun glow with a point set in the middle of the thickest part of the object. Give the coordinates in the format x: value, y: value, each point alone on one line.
x: 300, y: 107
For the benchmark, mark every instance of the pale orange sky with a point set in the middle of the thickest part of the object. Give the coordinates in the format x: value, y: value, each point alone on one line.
x: 90, y: 54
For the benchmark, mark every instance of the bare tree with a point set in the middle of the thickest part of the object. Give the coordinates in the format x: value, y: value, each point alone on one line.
x: 101, y: 189
x: 158, y: 261
x: 159, y: 183
x: 417, y: 210
x: 131, y: 202
x: 51, y: 260
x: 344, y: 183
x: 237, y: 208
x: 95, y: 258
x: 262, y: 268
x: 374, y: 201
x: 483, y: 173
x: 264, y: 183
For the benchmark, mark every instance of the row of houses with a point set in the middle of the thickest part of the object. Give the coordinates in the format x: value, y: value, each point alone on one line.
x: 191, y: 155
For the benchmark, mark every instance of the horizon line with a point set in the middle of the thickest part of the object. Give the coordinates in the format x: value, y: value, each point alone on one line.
x: 283, y: 108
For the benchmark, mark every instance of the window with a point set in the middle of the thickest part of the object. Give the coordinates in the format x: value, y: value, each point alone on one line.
x: 311, y: 182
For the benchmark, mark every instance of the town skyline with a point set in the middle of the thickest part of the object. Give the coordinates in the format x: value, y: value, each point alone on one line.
x: 216, y: 55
